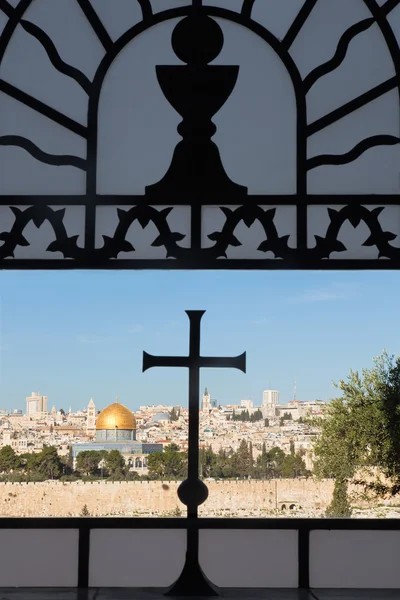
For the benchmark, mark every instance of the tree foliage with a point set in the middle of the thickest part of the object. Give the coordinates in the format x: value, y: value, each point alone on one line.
x: 88, y: 461
x: 85, y: 511
x: 361, y: 430
x: 169, y: 464
x: 49, y: 463
x: 340, y: 506
x: 114, y: 462
x: 245, y: 417
x: 8, y: 459
x: 241, y: 464
x: 286, y: 417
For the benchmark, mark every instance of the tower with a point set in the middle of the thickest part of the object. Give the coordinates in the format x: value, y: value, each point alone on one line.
x: 36, y: 404
x: 91, y: 418
x: 270, y: 398
x: 206, y: 401
x: 269, y: 402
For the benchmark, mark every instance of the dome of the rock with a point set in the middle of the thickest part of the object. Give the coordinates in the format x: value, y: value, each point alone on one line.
x: 116, y: 422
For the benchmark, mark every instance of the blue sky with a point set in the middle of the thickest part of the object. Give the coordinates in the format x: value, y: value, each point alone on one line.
x: 73, y: 335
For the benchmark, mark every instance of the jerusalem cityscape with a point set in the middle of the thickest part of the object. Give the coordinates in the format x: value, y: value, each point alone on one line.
x: 199, y: 323
x: 259, y: 460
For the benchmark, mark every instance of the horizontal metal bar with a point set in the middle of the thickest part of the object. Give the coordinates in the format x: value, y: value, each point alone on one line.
x: 209, y: 200
x: 196, y: 265
x: 88, y: 523
x: 303, y: 524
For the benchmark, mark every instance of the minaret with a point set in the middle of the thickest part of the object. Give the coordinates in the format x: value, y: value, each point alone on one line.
x: 91, y: 418
x: 294, y: 390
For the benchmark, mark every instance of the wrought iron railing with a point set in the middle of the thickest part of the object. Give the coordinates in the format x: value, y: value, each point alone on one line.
x: 85, y: 525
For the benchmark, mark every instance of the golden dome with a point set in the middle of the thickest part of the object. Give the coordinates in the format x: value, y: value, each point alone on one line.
x: 116, y: 416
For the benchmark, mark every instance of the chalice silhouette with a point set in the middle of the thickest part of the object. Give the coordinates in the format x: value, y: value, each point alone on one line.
x: 197, y: 91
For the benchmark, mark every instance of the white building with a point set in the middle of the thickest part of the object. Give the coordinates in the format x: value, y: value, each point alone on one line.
x: 206, y: 401
x: 91, y: 418
x: 270, y: 398
x: 246, y: 403
x: 36, y: 404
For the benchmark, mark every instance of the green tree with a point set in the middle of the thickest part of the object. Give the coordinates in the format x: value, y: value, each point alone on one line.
x: 175, y: 462
x: 361, y: 428
x: 62, y: 412
x: 29, y: 463
x: 207, y: 459
x: 293, y: 466
x: 114, y: 462
x: 169, y: 464
x: 339, y: 507
x: 87, y: 461
x: 49, y: 463
x: 8, y: 459
x: 256, y: 416
x: 70, y: 460
x: 251, y: 456
x: 223, y: 467
x: 275, y: 458
x: 286, y: 417
x: 242, y: 460
x: 156, y: 465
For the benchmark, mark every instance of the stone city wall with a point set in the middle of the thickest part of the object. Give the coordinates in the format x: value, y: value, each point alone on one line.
x: 156, y: 498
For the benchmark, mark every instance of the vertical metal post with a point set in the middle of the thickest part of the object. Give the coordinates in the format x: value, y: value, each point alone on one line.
x: 193, y: 492
x: 83, y: 555
x: 304, y: 558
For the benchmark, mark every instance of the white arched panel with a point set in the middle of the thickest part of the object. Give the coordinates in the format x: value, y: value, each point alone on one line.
x: 57, y: 20
x: 276, y: 16
x: 306, y: 118
x: 117, y: 22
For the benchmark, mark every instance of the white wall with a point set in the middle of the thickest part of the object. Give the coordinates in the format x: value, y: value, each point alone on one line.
x: 229, y: 558
x: 39, y: 558
x: 355, y: 559
x: 248, y: 558
x: 136, y: 558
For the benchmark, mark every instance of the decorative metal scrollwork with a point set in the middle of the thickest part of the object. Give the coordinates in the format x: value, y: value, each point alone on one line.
x: 198, y: 180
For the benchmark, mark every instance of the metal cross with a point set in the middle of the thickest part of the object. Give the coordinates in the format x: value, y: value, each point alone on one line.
x: 192, y: 492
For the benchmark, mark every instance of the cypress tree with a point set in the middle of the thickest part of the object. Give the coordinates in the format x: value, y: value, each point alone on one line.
x: 340, y: 506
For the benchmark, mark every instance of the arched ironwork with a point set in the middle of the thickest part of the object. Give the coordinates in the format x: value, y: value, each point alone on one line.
x: 275, y: 250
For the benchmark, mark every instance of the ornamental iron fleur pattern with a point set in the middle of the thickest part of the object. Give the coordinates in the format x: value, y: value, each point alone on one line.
x: 199, y: 213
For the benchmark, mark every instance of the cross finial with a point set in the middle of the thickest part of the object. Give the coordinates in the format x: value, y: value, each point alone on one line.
x: 194, y: 362
x: 116, y: 399
x: 193, y: 491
